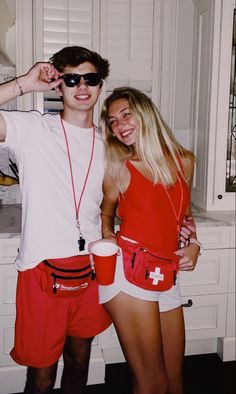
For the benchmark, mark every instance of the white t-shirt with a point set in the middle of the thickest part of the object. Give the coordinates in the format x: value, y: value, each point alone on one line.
x: 48, y: 209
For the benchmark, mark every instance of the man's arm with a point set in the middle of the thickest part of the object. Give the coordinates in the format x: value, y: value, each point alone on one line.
x: 189, y: 254
x: 3, y: 128
x: 38, y: 79
x: 188, y: 228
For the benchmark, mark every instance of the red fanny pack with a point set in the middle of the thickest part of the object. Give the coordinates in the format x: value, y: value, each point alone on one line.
x: 66, y: 277
x: 146, y: 269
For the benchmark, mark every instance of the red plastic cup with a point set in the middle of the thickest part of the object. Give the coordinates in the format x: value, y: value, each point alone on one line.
x: 104, y: 257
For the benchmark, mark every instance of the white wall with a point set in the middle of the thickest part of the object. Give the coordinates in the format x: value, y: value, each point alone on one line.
x: 8, y: 195
x: 7, y: 28
x: 184, y: 72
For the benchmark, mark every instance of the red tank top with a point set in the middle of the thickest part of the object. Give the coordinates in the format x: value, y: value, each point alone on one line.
x: 146, y: 211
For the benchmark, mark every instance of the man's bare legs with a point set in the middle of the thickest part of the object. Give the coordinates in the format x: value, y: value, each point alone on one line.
x: 76, y: 364
x: 76, y: 357
x: 40, y: 380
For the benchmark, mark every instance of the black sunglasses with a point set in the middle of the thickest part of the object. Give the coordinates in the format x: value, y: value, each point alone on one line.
x: 91, y: 79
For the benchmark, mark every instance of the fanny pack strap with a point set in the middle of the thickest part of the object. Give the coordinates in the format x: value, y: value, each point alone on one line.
x: 46, y: 262
x: 56, y: 276
x: 135, y: 247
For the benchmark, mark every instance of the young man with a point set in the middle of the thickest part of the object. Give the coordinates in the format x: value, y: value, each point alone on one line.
x: 61, y: 166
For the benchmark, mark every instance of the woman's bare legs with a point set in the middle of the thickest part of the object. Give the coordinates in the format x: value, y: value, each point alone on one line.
x: 173, y: 339
x: 137, y: 324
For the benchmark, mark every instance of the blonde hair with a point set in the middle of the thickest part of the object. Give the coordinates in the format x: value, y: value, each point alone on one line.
x: 156, y: 146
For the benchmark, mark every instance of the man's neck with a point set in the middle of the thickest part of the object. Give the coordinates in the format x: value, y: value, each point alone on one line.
x: 78, y: 118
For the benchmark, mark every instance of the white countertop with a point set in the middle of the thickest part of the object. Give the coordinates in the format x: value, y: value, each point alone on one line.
x: 213, y: 218
x: 10, y: 219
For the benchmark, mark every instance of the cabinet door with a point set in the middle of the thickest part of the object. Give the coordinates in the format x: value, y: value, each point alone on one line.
x: 210, y: 102
x: 210, y: 275
x: 218, y: 197
x: 232, y: 273
x: 214, y: 237
x: 6, y: 337
x: 206, y: 318
x: 8, y: 250
x: 201, y: 96
x: 111, y: 349
x: 231, y: 317
x: 8, y: 277
x: 231, y: 307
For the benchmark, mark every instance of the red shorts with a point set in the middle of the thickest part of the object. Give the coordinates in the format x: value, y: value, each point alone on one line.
x: 43, y: 322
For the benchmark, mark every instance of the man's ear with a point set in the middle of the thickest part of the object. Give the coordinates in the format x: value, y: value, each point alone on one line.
x: 100, y: 87
x: 59, y: 91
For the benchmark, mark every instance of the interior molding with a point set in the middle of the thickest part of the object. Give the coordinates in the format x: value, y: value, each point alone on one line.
x: 168, y: 58
x: 24, y: 47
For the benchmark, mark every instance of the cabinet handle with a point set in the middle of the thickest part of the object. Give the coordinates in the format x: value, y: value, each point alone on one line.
x: 187, y: 304
x: 220, y: 196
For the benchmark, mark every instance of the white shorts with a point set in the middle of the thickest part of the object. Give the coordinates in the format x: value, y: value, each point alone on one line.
x: 168, y: 300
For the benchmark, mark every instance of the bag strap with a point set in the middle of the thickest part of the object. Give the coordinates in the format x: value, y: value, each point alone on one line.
x: 46, y: 262
x: 56, y: 276
x: 157, y: 256
x: 136, y: 247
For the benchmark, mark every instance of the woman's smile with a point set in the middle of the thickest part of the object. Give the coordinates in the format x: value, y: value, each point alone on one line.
x: 122, y: 122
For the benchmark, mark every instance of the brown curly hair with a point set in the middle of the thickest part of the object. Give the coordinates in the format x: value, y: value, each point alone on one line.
x: 73, y: 56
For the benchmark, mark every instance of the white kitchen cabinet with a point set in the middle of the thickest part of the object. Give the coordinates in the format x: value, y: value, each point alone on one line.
x: 206, y: 291
x: 210, y: 102
x: 226, y: 344
x: 210, y: 321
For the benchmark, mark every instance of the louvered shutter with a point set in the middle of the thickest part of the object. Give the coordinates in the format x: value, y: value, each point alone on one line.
x: 65, y: 22
x: 120, y: 30
x: 127, y: 41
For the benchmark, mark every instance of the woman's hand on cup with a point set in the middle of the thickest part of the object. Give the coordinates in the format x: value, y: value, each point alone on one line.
x: 103, y: 254
x: 91, y: 244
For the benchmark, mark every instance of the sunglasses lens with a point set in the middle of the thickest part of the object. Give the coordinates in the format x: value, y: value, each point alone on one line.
x: 71, y: 79
x: 91, y: 79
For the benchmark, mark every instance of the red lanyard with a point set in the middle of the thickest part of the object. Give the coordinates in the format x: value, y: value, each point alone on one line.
x: 81, y: 240
x: 177, y: 215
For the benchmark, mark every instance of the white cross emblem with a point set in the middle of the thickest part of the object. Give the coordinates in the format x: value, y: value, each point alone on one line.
x: 156, y: 276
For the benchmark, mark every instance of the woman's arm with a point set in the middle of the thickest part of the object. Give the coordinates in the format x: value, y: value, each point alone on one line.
x: 108, y: 206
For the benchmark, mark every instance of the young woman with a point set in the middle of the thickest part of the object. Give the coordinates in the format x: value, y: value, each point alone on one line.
x: 147, y: 185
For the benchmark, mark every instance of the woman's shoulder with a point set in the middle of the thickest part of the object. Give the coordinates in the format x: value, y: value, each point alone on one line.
x: 187, y: 161
x: 117, y: 177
